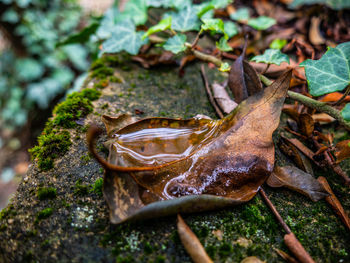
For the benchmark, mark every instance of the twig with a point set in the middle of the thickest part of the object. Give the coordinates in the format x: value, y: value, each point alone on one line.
x: 210, y: 95
x: 265, y: 70
x: 289, y: 239
x: 274, y: 211
x: 205, y: 57
x: 194, y: 43
x: 314, y: 104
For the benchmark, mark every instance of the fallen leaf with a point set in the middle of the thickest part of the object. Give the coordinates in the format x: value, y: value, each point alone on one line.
x: 334, y: 96
x: 322, y: 118
x: 314, y: 32
x: 252, y: 260
x: 243, y: 79
x: 334, y: 202
x: 218, y: 234
x: 223, y: 99
x: 306, y: 124
x: 191, y: 243
x: 191, y: 165
x: 285, y: 256
x: 243, y: 242
x: 297, y: 180
x: 342, y: 150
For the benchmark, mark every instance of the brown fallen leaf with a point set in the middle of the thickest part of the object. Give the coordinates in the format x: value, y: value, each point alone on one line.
x: 223, y: 99
x: 243, y: 79
x: 298, y: 250
x: 293, y: 153
x: 285, y: 256
x: 334, y: 96
x: 297, y: 180
x: 194, y: 164
x: 322, y: 118
x: 334, y: 202
x: 191, y: 243
x: 342, y: 150
x: 218, y: 234
x: 301, y: 147
x: 306, y: 124
x: 252, y: 259
x: 314, y: 32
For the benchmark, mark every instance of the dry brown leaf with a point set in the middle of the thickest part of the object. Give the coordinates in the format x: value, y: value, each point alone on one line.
x: 322, y: 118
x: 285, y: 256
x: 314, y: 32
x: 297, y: 180
x: 342, y: 150
x: 194, y: 164
x: 334, y: 202
x: 306, y: 124
x: 334, y: 96
x: 223, y: 99
x: 252, y: 259
x: 191, y: 243
x: 218, y: 234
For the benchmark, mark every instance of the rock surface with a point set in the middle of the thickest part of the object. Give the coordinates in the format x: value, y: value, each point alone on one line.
x: 73, y: 224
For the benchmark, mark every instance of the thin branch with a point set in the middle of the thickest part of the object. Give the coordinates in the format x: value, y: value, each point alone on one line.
x: 314, y: 104
x: 274, y: 211
x: 196, y: 39
x: 210, y: 95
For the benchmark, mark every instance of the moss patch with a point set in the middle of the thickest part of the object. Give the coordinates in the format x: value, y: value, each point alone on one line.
x: 97, y: 186
x: 43, y: 214
x: 46, y: 193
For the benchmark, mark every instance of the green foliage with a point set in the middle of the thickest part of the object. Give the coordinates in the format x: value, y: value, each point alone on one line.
x: 335, y: 4
x: 231, y: 28
x: 184, y: 20
x: 346, y: 112
x: 163, y: 25
x: 330, y: 73
x: 240, y: 15
x: 46, y: 193
x: 215, y: 25
x: 225, y: 67
x: 176, y: 44
x: 261, y: 23
x: 124, y: 38
x: 81, y: 37
x: 81, y: 189
x: 222, y: 45
x: 45, y: 71
x: 137, y: 11
x: 278, y: 43
x: 272, y: 56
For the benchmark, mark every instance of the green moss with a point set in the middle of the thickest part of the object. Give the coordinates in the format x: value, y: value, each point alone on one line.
x: 50, y: 146
x: 115, y: 79
x: 3, y: 227
x: 76, y: 106
x: 97, y: 186
x: 43, y: 214
x: 46, y: 193
x: 101, y: 84
x: 85, y: 158
x: 159, y: 259
x: 7, y: 212
x: 102, y: 73
x: 148, y: 248
x: 128, y: 259
x: 81, y: 189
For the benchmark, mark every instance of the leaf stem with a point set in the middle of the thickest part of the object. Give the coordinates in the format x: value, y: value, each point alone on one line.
x: 196, y: 39
x: 314, y: 104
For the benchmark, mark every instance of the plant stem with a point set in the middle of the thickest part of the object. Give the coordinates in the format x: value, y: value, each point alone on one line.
x: 205, y: 57
x: 314, y: 104
x: 196, y: 39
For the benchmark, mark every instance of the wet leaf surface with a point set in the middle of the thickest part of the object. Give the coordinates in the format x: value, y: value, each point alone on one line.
x: 192, y: 165
x: 297, y: 180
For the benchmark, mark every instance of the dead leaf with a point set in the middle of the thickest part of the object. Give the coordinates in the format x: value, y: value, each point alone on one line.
x: 342, y: 150
x: 243, y: 242
x: 306, y: 124
x: 243, y: 79
x: 335, y: 96
x: 285, y: 256
x: 191, y: 243
x: 297, y: 180
x: 218, y: 234
x: 223, y: 99
x: 322, y: 118
x: 295, y: 155
x: 192, y: 165
x: 314, y: 32
x: 334, y: 202
x: 252, y: 259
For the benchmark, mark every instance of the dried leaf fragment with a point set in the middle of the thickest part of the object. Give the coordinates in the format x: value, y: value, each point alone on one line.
x: 223, y: 99
x: 342, y: 150
x: 297, y: 180
x: 252, y: 259
x: 191, y: 243
x: 334, y: 202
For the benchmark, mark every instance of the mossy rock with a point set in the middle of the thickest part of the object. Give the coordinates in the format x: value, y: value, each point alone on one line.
x: 72, y: 224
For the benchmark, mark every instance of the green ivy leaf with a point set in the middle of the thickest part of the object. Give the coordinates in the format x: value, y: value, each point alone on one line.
x: 28, y: 69
x: 330, y: 73
x: 159, y: 3
x: 163, y: 25
x: 184, y: 20
x: 278, y: 43
x: 176, y: 44
x: 215, y: 25
x: 204, y: 10
x: 222, y: 45
x: 335, y: 4
x: 271, y: 56
x: 136, y: 10
x: 124, y: 37
x: 81, y: 37
x: 241, y: 15
x: 261, y: 23
x: 346, y: 112
x: 220, y: 3
x: 231, y: 28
